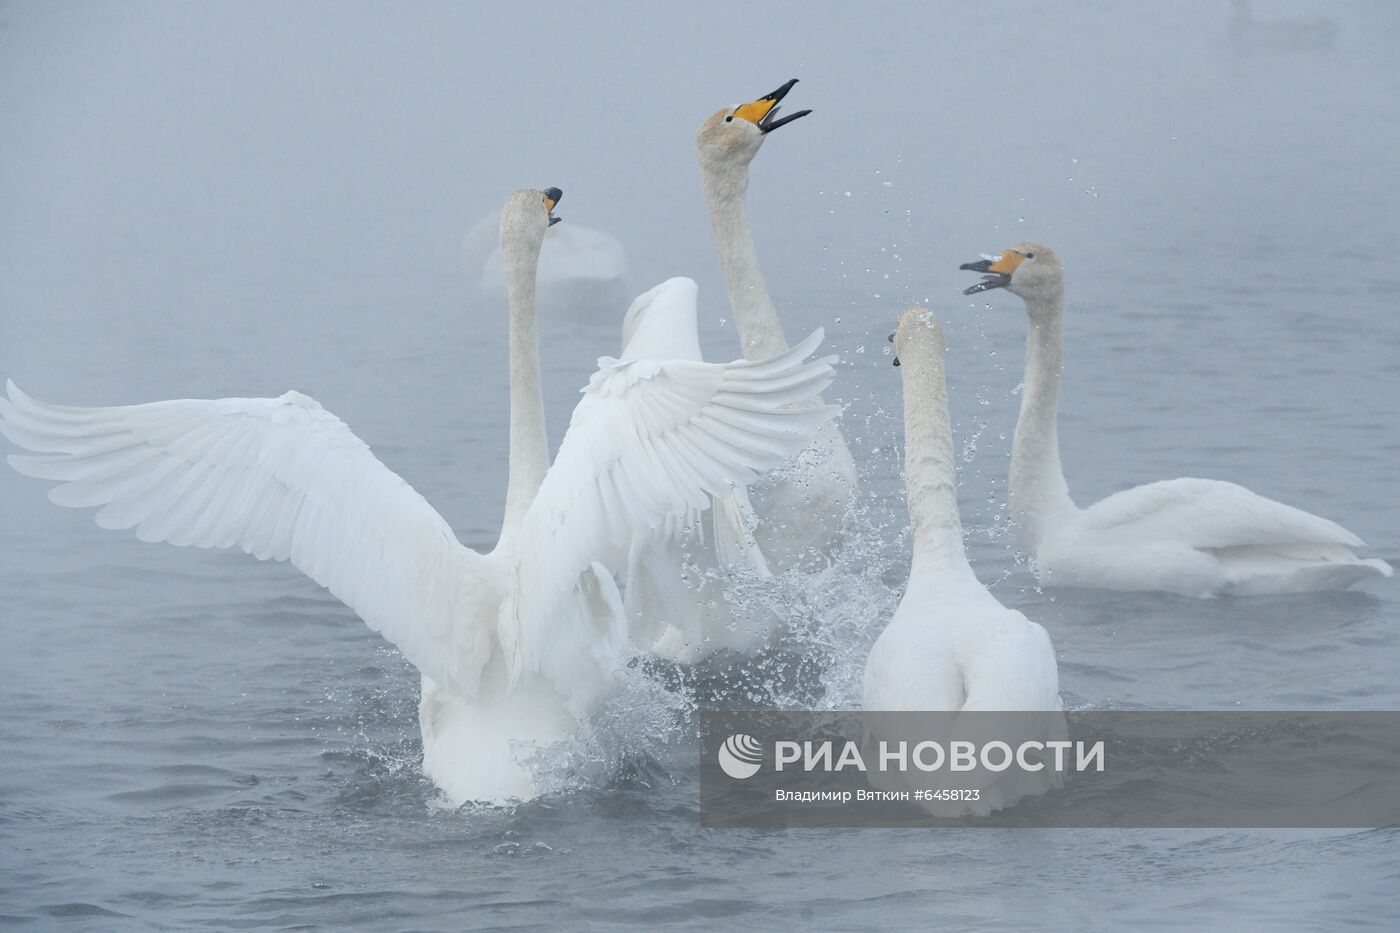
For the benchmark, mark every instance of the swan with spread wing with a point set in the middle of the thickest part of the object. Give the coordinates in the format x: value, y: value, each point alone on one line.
x: 517, y: 645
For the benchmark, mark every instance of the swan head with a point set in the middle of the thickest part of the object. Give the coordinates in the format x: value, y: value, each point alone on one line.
x: 732, y: 136
x: 528, y: 213
x: 918, y: 335
x: 1028, y: 270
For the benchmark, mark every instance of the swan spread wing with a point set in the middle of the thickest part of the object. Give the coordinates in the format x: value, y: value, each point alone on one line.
x: 649, y: 439
x: 1209, y: 514
x: 280, y: 478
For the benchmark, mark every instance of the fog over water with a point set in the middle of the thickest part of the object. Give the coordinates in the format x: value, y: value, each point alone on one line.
x: 202, y: 200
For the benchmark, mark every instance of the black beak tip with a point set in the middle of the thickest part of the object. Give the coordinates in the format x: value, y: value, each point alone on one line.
x: 896, y: 361
x: 781, y: 92
x: 983, y: 265
x: 554, y: 194
x: 554, y: 220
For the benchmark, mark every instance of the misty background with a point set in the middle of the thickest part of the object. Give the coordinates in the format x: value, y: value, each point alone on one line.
x: 275, y: 185
x: 213, y: 199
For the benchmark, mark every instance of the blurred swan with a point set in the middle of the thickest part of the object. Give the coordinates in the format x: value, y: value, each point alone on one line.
x: 674, y: 598
x: 516, y: 646
x: 1299, y: 34
x: 582, y: 273
x: 1196, y: 537
x: 802, y: 508
x: 950, y: 645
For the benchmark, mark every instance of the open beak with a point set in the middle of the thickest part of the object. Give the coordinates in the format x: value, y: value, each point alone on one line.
x: 996, y: 272
x: 552, y: 196
x: 763, y: 112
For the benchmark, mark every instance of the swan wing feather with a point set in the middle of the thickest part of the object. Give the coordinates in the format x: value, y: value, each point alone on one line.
x: 649, y: 440
x: 282, y: 479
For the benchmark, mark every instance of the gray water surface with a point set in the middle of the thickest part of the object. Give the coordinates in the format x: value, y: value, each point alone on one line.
x: 208, y: 200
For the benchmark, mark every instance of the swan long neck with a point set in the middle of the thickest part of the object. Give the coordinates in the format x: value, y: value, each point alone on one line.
x: 757, y: 320
x: 1039, y: 493
x: 930, y: 475
x: 529, y: 443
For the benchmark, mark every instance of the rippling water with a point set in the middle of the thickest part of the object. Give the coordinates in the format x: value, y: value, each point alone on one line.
x: 194, y: 739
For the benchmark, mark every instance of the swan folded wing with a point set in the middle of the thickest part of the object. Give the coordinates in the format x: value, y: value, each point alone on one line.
x: 1209, y: 514
x: 650, y: 439
x: 282, y: 479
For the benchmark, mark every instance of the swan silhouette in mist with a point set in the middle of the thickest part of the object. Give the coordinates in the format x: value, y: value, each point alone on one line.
x: 516, y: 646
x: 951, y: 646
x: 1298, y: 34
x: 582, y: 273
x: 1195, y: 537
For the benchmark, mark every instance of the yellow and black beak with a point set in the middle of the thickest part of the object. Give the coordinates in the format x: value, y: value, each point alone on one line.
x: 763, y: 112
x: 997, y: 271
x: 552, y: 196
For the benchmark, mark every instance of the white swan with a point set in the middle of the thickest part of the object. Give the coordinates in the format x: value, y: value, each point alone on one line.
x: 675, y: 601
x: 582, y: 273
x: 801, y: 510
x: 950, y: 645
x: 1299, y: 34
x: 1195, y: 537
x: 516, y: 646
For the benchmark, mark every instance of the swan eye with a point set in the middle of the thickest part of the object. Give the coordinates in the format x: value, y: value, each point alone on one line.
x: 1030, y: 255
x: 729, y: 119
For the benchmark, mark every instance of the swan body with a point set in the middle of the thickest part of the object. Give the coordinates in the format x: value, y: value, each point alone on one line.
x: 803, y: 506
x: 515, y: 646
x: 582, y: 272
x: 1194, y: 537
x: 674, y: 599
x: 951, y: 646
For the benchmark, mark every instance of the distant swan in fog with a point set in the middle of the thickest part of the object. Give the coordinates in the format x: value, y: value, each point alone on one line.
x: 1300, y: 34
x: 516, y: 646
x: 951, y: 645
x: 801, y: 512
x: 582, y: 272
x: 1196, y: 537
